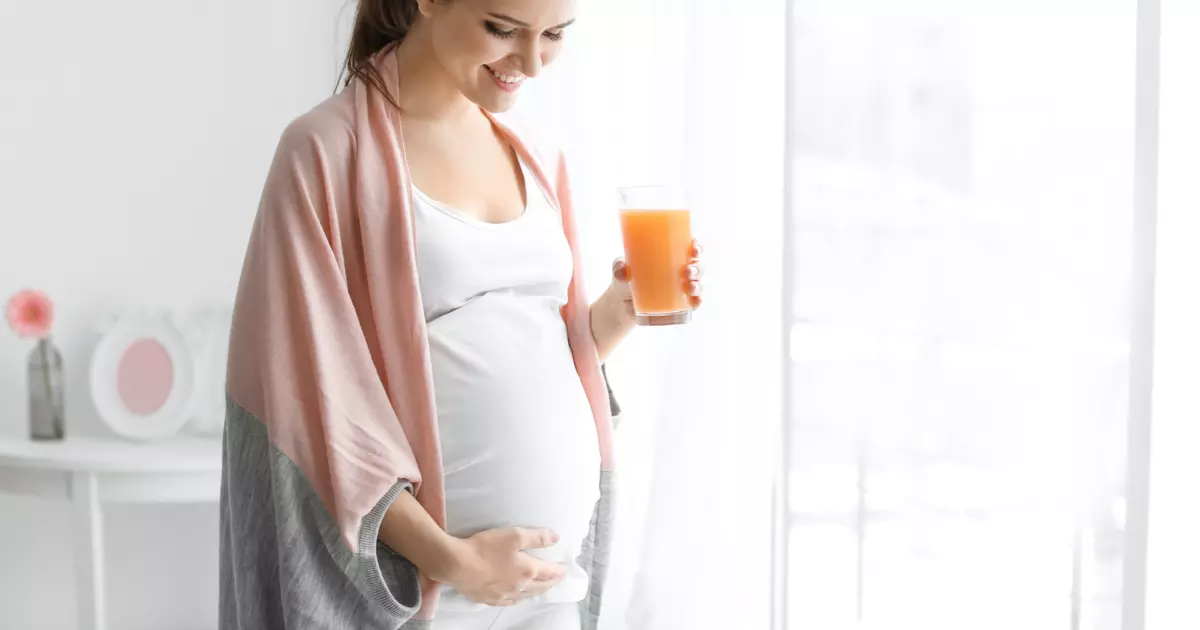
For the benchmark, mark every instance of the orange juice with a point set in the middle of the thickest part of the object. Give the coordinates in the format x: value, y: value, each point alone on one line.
x: 658, y: 249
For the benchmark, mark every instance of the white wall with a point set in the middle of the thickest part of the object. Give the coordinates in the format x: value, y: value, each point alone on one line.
x: 134, y: 137
x: 1174, y: 547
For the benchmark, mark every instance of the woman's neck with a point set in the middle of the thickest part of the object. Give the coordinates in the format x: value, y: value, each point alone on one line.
x: 426, y: 92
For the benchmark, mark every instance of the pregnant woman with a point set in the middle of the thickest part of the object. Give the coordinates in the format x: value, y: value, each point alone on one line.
x: 418, y: 431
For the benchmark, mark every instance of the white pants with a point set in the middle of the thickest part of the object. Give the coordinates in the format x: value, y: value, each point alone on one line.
x: 523, y: 616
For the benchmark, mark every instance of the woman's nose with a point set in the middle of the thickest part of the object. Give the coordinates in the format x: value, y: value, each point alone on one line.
x: 531, y: 65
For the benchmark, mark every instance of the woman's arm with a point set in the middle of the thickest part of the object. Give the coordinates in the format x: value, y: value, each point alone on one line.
x: 612, y: 318
x: 408, y: 530
x: 613, y: 315
x: 490, y: 567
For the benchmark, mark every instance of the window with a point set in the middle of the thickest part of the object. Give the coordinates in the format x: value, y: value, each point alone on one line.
x: 961, y: 208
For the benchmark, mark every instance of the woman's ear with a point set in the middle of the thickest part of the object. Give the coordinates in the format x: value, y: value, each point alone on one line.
x: 427, y: 7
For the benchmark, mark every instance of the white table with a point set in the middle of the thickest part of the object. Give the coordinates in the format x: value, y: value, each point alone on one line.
x: 92, y: 472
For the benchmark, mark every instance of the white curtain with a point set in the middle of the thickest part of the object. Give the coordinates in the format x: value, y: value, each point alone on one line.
x: 692, y: 93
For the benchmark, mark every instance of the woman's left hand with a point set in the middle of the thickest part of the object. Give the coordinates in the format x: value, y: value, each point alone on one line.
x: 693, y: 281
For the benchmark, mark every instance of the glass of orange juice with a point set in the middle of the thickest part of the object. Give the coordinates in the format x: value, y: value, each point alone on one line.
x: 657, y: 230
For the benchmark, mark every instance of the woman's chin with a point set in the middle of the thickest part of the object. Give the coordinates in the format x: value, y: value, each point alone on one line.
x: 496, y: 105
x: 492, y: 98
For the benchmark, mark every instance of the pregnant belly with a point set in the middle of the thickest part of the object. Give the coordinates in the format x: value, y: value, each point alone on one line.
x: 519, y: 445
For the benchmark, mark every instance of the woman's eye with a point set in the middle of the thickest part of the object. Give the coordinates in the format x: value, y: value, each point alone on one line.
x: 498, y: 32
x: 553, y: 35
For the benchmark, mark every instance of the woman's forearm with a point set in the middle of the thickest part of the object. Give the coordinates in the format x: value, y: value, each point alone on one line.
x: 411, y: 532
x: 612, y: 318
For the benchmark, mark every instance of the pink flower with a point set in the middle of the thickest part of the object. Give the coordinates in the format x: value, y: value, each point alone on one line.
x: 31, y: 313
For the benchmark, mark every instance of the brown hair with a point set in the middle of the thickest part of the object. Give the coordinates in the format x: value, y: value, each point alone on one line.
x: 377, y: 23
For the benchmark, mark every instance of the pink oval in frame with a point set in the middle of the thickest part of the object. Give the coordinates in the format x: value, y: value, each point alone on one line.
x: 145, y: 377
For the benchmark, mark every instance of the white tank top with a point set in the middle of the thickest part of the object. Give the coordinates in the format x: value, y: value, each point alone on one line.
x: 519, y: 445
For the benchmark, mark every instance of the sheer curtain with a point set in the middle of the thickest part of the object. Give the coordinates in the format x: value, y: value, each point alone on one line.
x: 692, y: 93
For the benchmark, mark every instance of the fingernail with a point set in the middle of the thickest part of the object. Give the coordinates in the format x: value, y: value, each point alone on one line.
x: 694, y: 272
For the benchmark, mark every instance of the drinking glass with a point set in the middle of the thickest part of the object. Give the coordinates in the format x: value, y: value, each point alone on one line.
x: 657, y: 230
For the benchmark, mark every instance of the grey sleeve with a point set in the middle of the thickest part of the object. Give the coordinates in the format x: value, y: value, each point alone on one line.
x: 613, y: 405
x: 594, y: 557
x: 596, y: 551
x: 283, y: 565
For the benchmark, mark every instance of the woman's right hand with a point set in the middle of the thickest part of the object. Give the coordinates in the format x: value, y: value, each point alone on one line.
x: 492, y: 567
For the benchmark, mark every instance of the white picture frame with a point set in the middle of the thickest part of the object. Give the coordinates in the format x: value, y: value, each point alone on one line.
x: 151, y: 400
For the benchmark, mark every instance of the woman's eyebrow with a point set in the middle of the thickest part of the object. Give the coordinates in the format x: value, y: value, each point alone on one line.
x: 514, y: 21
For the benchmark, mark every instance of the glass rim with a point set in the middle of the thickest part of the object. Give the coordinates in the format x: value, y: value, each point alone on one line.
x: 643, y: 186
x: 664, y: 194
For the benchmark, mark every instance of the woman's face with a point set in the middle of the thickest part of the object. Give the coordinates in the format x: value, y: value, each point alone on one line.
x: 491, y: 47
